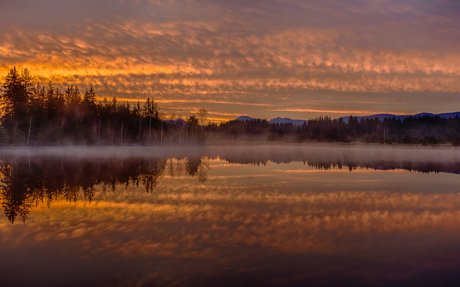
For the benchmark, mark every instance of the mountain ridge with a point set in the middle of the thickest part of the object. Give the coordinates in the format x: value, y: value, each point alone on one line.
x: 277, y: 120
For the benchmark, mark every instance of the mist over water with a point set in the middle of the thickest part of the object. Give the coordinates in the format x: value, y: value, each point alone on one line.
x: 271, y: 215
x: 425, y: 159
x: 355, y: 152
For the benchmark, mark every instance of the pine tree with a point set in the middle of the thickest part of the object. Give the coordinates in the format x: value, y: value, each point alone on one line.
x: 89, y: 100
x: 15, y: 96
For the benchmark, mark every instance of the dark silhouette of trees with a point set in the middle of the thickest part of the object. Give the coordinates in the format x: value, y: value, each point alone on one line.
x: 17, y: 91
x: 24, y: 181
x: 195, y: 132
x: 34, y: 114
x: 426, y: 130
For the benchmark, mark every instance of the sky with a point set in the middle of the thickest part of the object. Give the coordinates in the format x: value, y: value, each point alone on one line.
x: 298, y: 59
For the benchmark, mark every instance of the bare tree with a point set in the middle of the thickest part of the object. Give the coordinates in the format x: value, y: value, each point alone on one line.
x: 203, y: 116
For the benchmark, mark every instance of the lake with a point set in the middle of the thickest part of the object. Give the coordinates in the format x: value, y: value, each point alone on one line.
x: 315, y: 215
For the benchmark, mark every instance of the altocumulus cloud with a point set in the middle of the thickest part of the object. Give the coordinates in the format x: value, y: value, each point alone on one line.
x: 306, y: 58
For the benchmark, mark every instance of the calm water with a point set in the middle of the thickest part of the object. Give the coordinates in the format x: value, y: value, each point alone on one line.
x: 230, y: 216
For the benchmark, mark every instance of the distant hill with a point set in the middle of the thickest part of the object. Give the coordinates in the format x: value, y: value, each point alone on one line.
x: 245, y: 119
x: 277, y: 120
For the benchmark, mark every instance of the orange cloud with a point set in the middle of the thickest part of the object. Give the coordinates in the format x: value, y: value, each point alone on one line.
x: 236, y: 58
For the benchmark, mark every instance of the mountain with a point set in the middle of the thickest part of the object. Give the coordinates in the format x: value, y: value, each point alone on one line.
x: 245, y: 119
x: 279, y: 120
x: 450, y: 115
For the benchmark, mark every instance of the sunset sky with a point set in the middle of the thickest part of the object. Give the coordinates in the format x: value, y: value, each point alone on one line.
x: 268, y: 58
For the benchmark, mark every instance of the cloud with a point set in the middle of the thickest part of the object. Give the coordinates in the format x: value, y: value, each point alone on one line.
x: 264, y: 52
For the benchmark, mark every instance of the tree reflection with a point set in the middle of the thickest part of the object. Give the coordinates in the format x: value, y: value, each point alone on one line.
x: 203, y: 170
x: 25, y: 182
x: 327, y: 162
x: 17, y: 199
x: 192, y: 165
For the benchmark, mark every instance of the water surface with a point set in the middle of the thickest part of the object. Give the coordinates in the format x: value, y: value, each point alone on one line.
x: 229, y: 216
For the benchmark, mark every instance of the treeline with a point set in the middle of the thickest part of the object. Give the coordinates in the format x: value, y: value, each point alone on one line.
x: 35, y: 114
x: 426, y: 130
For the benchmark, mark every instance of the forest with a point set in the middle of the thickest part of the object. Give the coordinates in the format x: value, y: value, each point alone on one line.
x: 36, y: 114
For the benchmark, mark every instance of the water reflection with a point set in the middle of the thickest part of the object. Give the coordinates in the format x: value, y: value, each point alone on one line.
x: 26, y: 181
x: 29, y: 180
x: 236, y: 217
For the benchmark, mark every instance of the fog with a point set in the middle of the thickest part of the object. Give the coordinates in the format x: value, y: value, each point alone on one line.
x: 351, y: 155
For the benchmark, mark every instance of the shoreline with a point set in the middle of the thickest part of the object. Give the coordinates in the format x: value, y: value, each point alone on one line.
x: 236, y: 144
